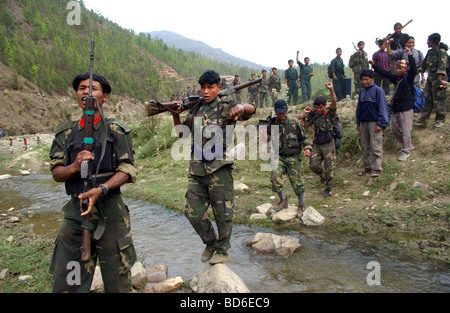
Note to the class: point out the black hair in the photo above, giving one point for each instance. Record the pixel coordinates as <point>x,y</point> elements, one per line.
<point>320,101</point>
<point>274,68</point>
<point>338,49</point>
<point>397,24</point>
<point>436,38</point>
<point>263,71</point>
<point>368,73</point>
<point>106,87</point>
<point>306,59</point>
<point>361,42</point>
<point>291,61</point>
<point>209,77</point>
<point>380,42</point>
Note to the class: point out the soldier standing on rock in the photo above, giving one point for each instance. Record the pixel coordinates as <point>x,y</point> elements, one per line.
<point>323,156</point>
<point>292,138</point>
<point>111,240</point>
<point>210,173</point>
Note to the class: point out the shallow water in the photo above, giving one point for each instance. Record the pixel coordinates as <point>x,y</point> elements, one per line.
<point>325,263</point>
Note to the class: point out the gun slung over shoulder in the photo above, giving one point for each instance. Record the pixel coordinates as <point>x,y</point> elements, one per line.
<point>154,107</point>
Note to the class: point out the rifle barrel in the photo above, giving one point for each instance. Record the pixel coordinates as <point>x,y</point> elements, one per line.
<point>153,107</point>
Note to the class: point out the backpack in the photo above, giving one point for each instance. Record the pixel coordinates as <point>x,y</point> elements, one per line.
<point>330,73</point>
<point>419,99</point>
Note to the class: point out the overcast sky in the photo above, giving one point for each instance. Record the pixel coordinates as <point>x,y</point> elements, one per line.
<point>270,32</point>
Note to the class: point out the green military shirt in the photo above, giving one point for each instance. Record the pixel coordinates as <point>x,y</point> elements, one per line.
<point>291,74</point>
<point>322,123</point>
<point>305,70</point>
<point>292,138</point>
<point>337,66</point>
<point>215,113</point>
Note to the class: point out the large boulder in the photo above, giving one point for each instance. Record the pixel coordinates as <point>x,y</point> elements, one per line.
<point>274,245</point>
<point>218,279</point>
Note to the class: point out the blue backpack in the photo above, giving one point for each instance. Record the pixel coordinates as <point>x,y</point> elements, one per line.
<point>419,99</point>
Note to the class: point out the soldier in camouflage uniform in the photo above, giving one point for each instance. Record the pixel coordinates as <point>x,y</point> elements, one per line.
<point>306,72</point>
<point>210,172</point>
<point>263,91</point>
<point>253,92</point>
<point>435,89</point>
<point>237,93</point>
<point>323,156</point>
<point>111,240</point>
<point>358,63</point>
<point>292,82</point>
<point>291,141</point>
<point>274,86</point>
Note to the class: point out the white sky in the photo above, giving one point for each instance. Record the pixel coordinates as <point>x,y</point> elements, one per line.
<point>270,32</point>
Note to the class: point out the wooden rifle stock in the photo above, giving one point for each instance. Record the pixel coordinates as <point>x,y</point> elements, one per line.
<point>86,171</point>
<point>390,35</point>
<point>153,107</point>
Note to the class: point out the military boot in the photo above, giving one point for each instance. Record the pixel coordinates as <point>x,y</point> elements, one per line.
<point>300,211</point>
<point>219,258</point>
<point>207,254</point>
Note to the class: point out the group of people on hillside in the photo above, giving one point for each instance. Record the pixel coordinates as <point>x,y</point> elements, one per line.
<point>210,179</point>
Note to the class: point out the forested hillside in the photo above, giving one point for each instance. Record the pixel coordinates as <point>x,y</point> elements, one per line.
<point>40,45</point>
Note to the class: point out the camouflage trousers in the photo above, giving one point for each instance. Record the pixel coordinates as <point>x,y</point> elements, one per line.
<point>114,250</point>
<point>253,98</point>
<point>274,95</point>
<point>216,190</point>
<point>263,100</point>
<point>434,99</point>
<point>322,162</point>
<point>293,168</point>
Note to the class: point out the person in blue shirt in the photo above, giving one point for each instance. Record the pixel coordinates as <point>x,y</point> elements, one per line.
<point>372,118</point>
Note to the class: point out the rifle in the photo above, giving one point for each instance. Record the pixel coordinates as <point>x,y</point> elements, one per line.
<point>270,119</point>
<point>154,107</point>
<point>86,166</point>
<point>390,35</point>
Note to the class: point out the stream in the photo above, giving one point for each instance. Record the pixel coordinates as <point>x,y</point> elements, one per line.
<point>326,262</point>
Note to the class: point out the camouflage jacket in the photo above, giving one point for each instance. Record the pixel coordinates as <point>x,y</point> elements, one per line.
<point>292,138</point>
<point>275,82</point>
<point>435,62</point>
<point>322,123</point>
<point>210,114</point>
<point>263,86</point>
<point>358,62</point>
<point>122,154</point>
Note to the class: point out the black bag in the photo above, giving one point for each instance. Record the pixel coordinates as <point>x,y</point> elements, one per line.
<point>322,138</point>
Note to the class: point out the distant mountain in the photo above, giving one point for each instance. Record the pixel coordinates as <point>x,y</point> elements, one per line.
<point>180,42</point>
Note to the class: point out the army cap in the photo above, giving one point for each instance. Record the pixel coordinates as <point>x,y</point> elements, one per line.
<point>281,106</point>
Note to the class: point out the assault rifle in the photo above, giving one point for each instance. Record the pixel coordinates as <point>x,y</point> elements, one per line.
<point>270,119</point>
<point>154,107</point>
<point>86,166</point>
<point>390,35</point>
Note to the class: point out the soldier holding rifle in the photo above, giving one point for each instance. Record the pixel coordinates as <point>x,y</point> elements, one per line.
<point>210,173</point>
<point>112,165</point>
